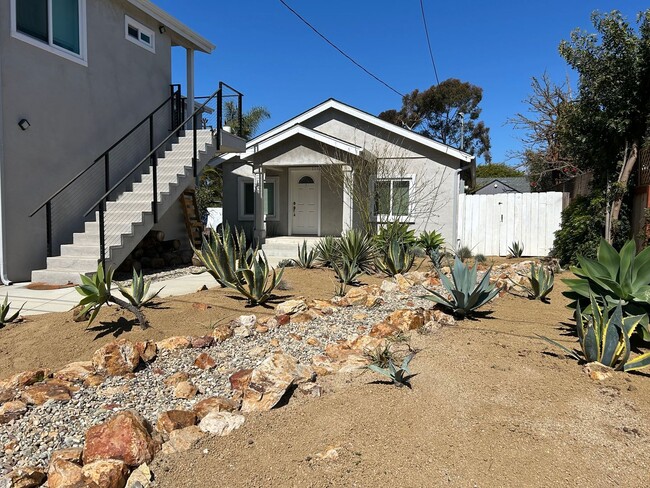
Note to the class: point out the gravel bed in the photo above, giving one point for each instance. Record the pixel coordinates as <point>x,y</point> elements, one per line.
<point>57,425</point>
<point>124,278</point>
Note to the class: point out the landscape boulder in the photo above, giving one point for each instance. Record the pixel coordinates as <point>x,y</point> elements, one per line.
<point>125,437</point>
<point>147,350</point>
<point>27,477</point>
<point>106,473</point>
<point>182,439</point>
<point>42,392</point>
<point>356,296</point>
<point>204,361</point>
<point>222,332</point>
<point>64,474</point>
<point>290,307</point>
<point>201,342</point>
<point>116,358</point>
<point>174,420</point>
<point>26,378</point>
<point>215,404</point>
<point>140,477</point>
<point>76,372</point>
<point>185,390</point>
<point>221,423</point>
<point>173,343</point>
<point>12,410</point>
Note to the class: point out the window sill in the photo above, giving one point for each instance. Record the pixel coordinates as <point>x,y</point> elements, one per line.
<point>51,49</point>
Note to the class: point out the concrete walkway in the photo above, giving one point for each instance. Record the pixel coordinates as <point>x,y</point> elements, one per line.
<point>64,299</point>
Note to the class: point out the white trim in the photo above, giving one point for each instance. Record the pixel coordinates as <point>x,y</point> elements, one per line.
<point>142,29</point>
<point>366,117</point>
<point>275,181</point>
<point>241,181</point>
<point>390,217</point>
<point>3,265</point>
<point>181,31</point>
<point>292,172</point>
<point>49,46</point>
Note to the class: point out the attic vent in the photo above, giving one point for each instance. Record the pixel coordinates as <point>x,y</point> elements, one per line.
<point>306,180</point>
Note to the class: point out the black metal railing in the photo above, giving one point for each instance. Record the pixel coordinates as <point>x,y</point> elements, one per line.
<point>202,118</point>
<point>63,209</point>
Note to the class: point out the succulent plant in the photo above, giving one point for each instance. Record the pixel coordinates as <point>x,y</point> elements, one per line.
<point>540,282</point>
<point>399,376</point>
<point>5,318</point>
<point>328,251</point>
<point>357,247</point>
<point>516,250</point>
<point>394,231</point>
<point>256,280</point>
<point>346,271</point>
<point>138,293</point>
<point>605,338</point>
<point>430,241</point>
<point>397,258</point>
<point>465,294</point>
<point>463,253</point>
<point>306,258</point>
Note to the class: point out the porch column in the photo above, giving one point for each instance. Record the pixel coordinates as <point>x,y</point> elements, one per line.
<point>259,229</point>
<point>190,83</point>
<point>348,202</point>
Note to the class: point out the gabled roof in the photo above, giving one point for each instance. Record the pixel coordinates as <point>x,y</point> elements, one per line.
<point>182,35</point>
<point>354,112</point>
<point>519,184</point>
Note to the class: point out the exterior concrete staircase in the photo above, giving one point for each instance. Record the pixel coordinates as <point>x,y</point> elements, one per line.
<point>129,217</point>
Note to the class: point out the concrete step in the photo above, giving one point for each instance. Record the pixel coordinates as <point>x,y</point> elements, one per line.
<point>80,251</point>
<point>56,277</point>
<point>72,263</point>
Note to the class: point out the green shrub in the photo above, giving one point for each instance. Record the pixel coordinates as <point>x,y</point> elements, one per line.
<point>463,253</point>
<point>605,338</point>
<point>397,259</point>
<point>306,259</point>
<point>430,241</point>
<point>5,318</point>
<point>138,294</point>
<point>465,294</point>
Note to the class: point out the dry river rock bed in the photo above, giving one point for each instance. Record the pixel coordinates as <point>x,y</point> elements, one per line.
<point>43,429</point>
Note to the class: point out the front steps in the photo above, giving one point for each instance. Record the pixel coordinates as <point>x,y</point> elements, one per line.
<point>129,217</point>
<point>286,247</point>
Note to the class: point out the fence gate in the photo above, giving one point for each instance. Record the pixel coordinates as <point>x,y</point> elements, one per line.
<point>489,224</point>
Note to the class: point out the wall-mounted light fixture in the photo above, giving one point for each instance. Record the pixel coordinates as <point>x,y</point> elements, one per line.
<point>162,29</point>
<point>24,124</point>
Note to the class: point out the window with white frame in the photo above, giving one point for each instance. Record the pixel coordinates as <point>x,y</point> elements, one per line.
<point>58,26</point>
<point>247,198</point>
<point>393,198</point>
<point>139,34</point>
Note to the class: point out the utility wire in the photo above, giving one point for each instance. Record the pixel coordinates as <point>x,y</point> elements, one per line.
<point>426,30</point>
<point>340,50</point>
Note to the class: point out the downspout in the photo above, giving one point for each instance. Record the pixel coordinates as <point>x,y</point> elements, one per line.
<point>456,200</point>
<point>3,272</point>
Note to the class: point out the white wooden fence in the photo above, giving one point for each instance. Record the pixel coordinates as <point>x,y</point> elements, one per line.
<point>489,224</point>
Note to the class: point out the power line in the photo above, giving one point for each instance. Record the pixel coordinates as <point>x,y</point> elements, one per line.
<point>340,50</point>
<point>426,30</point>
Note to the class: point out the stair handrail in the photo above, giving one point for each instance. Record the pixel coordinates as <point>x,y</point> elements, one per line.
<point>153,158</point>
<point>175,93</point>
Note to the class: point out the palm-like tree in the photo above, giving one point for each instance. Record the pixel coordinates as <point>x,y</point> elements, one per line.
<point>251,120</point>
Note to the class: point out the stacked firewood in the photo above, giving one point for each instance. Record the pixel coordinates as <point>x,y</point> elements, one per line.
<point>154,252</point>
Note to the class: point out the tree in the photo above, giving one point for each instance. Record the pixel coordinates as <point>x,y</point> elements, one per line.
<point>251,120</point>
<point>544,154</point>
<point>497,170</point>
<point>607,125</point>
<point>448,112</point>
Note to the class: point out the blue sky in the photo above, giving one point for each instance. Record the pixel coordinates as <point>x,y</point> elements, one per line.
<point>267,53</point>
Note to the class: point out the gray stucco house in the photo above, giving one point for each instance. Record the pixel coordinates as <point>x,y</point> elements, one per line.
<point>78,77</point>
<point>494,186</point>
<point>309,177</point>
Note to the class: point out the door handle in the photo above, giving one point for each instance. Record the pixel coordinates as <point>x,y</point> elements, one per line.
<point>294,209</point>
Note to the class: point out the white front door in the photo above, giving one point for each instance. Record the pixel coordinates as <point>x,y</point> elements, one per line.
<point>304,202</point>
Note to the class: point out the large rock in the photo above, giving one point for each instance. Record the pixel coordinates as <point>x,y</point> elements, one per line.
<point>185,390</point>
<point>116,358</point>
<point>6,394</point>
<point>125,437</point>
<point>140,477</point>
<point>221,423</point>
<point>106,473</point>
<point>27,477</point>
<point>204,361</point>
<point>176,378</point>
<point>173,343</point>
<point>12,411</point>
<point>182,439</point>
<point>64,474</point>
<point>401,321</point>
<point>148,350</point>
<point>271,380</point>
<point>174,420</point>
<point>222,332</point>
<point>215,404</point>
<point>201,342</point>
<point>403,284</point>
<point>43,392</point>
<point>26,378</point>
<point>357,296</point>
<point>75,372</point>
<point>72,454</point>
<point>290,307</point>
<point>240,380</point>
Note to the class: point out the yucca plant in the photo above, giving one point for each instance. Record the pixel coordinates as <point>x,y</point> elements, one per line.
<point>465,294</point>
<point>540,283</point>
<point>397,259</point>
<point>357,246</point>
<point>516,250</point>
<point>399,376</point>
<point>605,338</point>
<point>430,241</point>
<point>257,280</point>
<point>96,291</point>
<point>328,251</point>
<point>138,293</point>
<point>346,271</point>
<point>306,258</point>
<point>617,277</point>
<point>5,318</point>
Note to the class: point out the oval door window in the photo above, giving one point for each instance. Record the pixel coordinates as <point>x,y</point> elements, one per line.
<point>306,180</point>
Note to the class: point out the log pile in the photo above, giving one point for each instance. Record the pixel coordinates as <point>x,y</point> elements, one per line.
<point>154,252</point>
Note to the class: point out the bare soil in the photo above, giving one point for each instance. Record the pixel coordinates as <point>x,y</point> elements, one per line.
<point>55,339</point>
<point>492,405</point>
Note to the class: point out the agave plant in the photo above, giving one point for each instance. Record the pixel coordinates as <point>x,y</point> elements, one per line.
<point>306,258</point>
<point>605,338</point>
<point>138,293</point>
<point>5,318</point>
<point>516,250</point>
<point>328,252</point>
<point>618,277</point>
<point>347,272</point>
<point>257,280</point>
<point>394,231</point>
<point>96,291</point>
<point>466,295</point>
<point>357,246</point>
<point>463,253</point>
<point>399,376</point>
<point>540,283</point>
<point>398,258</point>
<point>430,241</point>
<point>223,254</point>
